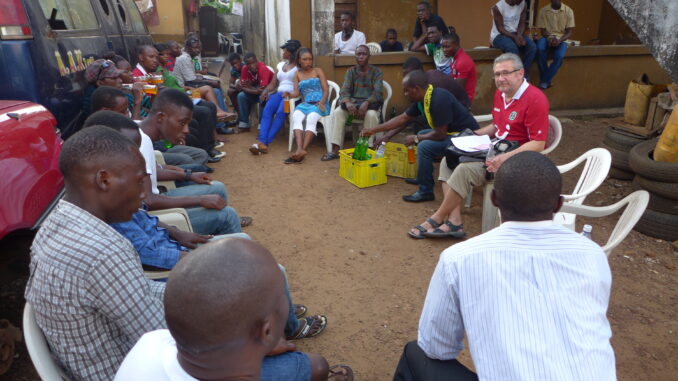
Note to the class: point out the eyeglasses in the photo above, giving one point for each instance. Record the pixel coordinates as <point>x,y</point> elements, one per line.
<point>504,73</point>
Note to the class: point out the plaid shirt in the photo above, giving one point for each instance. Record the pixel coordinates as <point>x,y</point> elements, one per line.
<point>184,69</point>
<point>152,242</point>
<point>358,87</point>
<point>89,293</point>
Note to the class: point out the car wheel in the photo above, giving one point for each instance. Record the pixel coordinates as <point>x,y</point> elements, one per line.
<point>620,159</point>
<point>659,225</point>
<point>621,174</point>
<point>621,140</point>
<point>662,189</point>
<point>642,163</point>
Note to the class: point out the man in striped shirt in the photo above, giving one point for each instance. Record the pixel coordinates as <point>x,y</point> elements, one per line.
<point>530,296</point>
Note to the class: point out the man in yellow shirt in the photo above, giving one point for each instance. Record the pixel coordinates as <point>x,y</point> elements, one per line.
<point>556,22</point>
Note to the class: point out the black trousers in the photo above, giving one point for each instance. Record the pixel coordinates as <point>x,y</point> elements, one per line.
<point>205,118</point>
<point>414,365</point>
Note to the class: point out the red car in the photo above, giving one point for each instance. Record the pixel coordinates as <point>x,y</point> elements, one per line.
<point>30,180</point>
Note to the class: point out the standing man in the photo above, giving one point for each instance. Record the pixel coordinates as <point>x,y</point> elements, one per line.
<point>434,48</point>
<point>463,69</point>
<point>426,19</point>
<point>360,97</point>
<point>508,31</point>
<point>445,116</point>
<point>557,23</point>
<point>346,41</point>
<point>254,78</point>
<point>531,296</point>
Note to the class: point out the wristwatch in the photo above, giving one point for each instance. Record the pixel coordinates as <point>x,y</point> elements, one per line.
<point>187,174</point>
<point>416,139</point>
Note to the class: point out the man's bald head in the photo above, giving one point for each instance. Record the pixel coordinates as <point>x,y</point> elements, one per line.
<point>222,294</point>
<point>527,187</point>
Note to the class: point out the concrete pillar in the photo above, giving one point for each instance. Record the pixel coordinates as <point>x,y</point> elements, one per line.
<point>322,27</point>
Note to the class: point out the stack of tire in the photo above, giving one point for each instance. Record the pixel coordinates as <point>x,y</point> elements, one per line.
<point>619,143</point>
<point>660,179</point>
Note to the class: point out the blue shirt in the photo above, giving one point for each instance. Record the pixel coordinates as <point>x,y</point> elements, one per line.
<point>153,243</point>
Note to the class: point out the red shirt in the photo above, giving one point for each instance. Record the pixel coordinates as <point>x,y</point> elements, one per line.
<point>169,65</point>
<point>526,117</point>
<point>464,67</point>
<point>261,78</point>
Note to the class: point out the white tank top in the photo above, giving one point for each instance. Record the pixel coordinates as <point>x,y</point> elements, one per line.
<point>511,16</point>
<point>285,78</point>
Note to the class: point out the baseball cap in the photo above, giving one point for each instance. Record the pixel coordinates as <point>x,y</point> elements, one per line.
<point>101,69</point>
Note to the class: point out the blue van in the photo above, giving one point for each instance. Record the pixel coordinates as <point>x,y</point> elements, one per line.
<point>45,46</point>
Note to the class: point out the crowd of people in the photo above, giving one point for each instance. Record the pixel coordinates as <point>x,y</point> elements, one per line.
<point>538,314</point>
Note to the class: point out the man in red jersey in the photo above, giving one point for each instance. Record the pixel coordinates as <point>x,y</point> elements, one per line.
<point>463,67</point>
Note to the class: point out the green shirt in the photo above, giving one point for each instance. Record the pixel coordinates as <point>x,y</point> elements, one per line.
<point>168,79</point>
<point>443,63</point>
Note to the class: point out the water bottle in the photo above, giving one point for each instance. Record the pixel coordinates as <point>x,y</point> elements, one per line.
<point>489,176</point>
<point>586,231</point>
<point>381,151</point>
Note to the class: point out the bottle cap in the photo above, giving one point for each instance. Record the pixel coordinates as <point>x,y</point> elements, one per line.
<point>588,228</point>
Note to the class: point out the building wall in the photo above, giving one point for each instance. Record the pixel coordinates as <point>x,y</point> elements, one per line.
<point>300,17</point>
<point>172,16</point>
<point>376,16</point>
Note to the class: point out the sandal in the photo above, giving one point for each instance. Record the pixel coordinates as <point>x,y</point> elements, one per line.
<point>300,310</point>
<point>305,327</point>
<point>245,221</point>
<point>423,230</point>
<point>329,156</point>
<point>340,373</point>
<point>453,232</point>
<point>291,160</point>
<point>254,148</point>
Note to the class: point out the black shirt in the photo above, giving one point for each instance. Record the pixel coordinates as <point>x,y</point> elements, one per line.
<point>432,20</point>
<point>397,46</point>
<point>446,110</point>
<point>443,81</point>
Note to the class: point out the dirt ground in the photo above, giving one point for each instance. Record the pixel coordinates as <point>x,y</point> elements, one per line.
<point>348,256</point>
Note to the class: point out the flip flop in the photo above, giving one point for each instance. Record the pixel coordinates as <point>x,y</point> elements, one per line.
<point>304,331</point>
<point>300,310</point>
<point>290,160</point>
<point>329,156</point>
<point>340,373</point>
<point>245,221</point>
<point>254,148</point>
<point>454,231</point>
<point>423,230</point>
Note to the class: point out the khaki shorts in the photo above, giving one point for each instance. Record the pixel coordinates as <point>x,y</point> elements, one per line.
<point>464,177</point>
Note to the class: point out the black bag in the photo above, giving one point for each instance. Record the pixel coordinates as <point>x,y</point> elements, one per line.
<point>454,155</point>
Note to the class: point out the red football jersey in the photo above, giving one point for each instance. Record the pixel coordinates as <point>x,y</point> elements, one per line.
<point>523,119</point>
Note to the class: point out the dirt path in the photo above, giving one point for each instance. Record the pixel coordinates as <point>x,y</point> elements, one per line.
<point>347,256</point>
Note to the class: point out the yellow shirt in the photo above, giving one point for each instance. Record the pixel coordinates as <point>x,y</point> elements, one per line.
<point>555,21</point>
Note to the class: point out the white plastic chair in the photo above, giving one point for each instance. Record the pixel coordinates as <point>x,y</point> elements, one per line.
<point>597,163</point>
<point>177,217</point>
<point>635,204</point>
<point>167,184</point>
<point>38,349</point>
<point>326,121</point>
<point>374,47</point>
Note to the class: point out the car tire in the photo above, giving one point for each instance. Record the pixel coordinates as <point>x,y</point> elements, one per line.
<point>641,162</point>
<point>662,189</point>
<point>659,225</point>
<point>659,203</point>
<point>620,159</point>
<point>621,174</point>
<point>621,140</point>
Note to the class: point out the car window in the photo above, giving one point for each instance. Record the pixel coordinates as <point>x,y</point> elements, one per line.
<point>69,14</point>
<point>135,17</point>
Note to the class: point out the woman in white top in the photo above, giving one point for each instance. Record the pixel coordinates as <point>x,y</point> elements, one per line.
<point>274,115</point>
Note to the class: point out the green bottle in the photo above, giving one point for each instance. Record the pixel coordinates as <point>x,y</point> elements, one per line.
<point>349,121</point>
<point>360,151</point>
<point>167,144</point>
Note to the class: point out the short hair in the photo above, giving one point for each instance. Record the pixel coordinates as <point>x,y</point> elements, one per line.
<point>527,186</point>
<point>234,56</point>
<point>391,30</point>
<point>171,42</point>
<point>111,119</point>
<point>170,98</point>
<point>426,3</point>
<point>105,96</point>
<point>249,55</point>
<point>191,41</point>
<point>514,58</point>
<point>413,63</point>
<point>161,46</point>
<point>90,144</point>
<point>364,47</point>
<point>111,56</point>
<point>435,26</point>
<point>416,78</point>
<point>142,48</point>
<point>452,36</point>
<point>347,13</point>
<point>303,50</point>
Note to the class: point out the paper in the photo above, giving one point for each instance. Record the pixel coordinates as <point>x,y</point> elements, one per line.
<point>473,143</point>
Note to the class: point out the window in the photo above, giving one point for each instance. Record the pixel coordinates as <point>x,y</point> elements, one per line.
<point>135,17</point>
<point>69,14</point>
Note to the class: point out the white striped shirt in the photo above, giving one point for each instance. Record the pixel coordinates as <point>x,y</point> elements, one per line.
<point>532,298</point>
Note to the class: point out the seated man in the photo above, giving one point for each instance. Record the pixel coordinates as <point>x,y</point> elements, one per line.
<point>426,19</point>
<point>360,98</point>
<point>445,116</point>
<point>520,114</point>
<point>346,41</point>
<point>205,202</point>
<point>508,31</point>
<point>254,78</point>
<point>86,285</point>
<point>439,80</point>
<point>234,329</point>
<point>463,69</point>
<point>174,52</point>
<point>431,45</point>
<point>531,296</point>
<point>391,43</point>
<point>557,23</point>
<point>236,71</point>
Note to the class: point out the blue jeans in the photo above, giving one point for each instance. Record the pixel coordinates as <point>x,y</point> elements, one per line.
<point>526,52</point>
<point>427,150</point>
<point>288,366</point>
<point>209,221</point>
<point>245,103</point>
<point>546,73</point>
<point>220,99</point>
<point>292,322</point>
<point>272,118</point>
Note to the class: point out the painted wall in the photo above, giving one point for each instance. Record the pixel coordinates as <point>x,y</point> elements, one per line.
<point>172,21</point>
<point>376,16</point>
<point>300,16</point>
